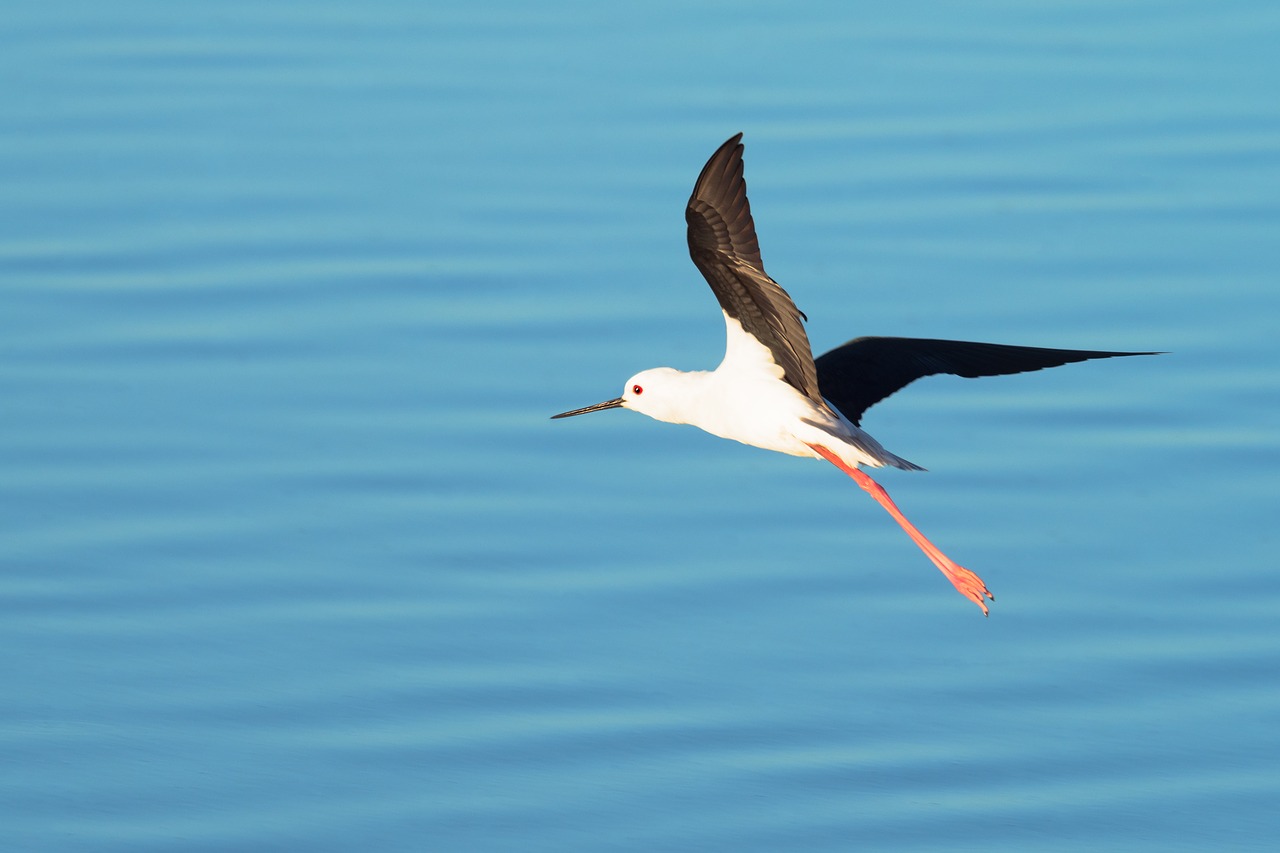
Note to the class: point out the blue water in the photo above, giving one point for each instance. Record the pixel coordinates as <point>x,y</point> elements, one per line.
<point>292,559</point>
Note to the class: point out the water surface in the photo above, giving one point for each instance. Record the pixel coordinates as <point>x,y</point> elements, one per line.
<point>293,559</point>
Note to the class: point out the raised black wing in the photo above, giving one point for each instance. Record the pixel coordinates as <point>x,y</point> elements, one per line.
<point>857,375</point>
<point>723,245</point>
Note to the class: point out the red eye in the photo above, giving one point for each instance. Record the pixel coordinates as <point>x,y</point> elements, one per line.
<point>637,390</point>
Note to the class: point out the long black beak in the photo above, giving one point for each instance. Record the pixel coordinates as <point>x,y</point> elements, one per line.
<point>598,407</point>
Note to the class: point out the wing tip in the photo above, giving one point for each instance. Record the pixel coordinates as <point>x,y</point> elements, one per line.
<point>729,151</point>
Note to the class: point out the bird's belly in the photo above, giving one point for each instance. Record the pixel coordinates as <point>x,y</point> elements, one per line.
<point>768,416</point>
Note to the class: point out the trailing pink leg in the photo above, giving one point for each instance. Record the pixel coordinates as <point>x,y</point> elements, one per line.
<point>968,583</point>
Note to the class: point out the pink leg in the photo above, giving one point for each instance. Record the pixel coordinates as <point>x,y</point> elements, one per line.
<point>969,584</point>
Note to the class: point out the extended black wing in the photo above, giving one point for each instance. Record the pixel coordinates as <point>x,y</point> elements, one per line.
<point>857,375</point>
<point>723,245</point>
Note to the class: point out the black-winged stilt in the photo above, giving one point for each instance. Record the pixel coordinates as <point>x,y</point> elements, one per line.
<point>769,391</point>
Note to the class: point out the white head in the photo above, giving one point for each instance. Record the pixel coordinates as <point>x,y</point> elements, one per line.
<point>659,393</point>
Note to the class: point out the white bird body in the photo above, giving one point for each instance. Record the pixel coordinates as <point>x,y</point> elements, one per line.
<point>745,399</point>
<point>769,392</point>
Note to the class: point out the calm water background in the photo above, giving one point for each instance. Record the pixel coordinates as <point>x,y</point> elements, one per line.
<point>291,557</point>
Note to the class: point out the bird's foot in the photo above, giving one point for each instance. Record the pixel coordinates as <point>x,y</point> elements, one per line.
<point>969,584</point>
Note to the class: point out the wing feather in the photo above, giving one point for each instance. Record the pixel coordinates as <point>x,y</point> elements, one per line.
<point>723,245</point>
<point>857,375</point>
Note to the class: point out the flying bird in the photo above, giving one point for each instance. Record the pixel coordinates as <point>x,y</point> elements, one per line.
<point>769,392</point>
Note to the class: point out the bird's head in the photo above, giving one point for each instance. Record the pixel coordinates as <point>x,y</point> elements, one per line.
<point>655,393</point>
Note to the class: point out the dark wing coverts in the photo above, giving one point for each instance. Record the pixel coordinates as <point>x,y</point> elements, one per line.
<point>722,243</point>
<point>859,374</point>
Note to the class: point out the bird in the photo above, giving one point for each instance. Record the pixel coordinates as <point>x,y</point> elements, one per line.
<point>770,392</point>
